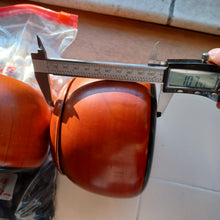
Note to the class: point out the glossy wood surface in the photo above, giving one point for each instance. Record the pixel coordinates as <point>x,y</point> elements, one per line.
<point>104,136</point>
<point>24,125</point>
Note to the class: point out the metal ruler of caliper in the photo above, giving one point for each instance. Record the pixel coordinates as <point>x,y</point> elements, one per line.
<point>175,75</point>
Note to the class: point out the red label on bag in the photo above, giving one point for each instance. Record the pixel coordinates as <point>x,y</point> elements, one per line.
<point>10,70</point>
<point>7,184</point>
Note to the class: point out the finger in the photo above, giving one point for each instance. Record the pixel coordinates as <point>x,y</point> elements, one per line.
<point>214,56</point>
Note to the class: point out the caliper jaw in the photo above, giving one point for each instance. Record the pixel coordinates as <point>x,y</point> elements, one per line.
<point>43,79</point>
<point>164,97</point>
<point>163,101</point>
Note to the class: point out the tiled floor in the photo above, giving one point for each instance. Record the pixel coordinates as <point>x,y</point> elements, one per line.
<point>184,182</point>
<point>168,200</point>
<point>76,203</point>
<point>187,145</point>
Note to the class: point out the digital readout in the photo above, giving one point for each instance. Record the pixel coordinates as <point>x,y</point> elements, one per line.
<point>192,79</point>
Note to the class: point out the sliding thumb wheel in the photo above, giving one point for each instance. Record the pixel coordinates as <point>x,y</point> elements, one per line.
<point>24,125</point>
<point>102,135</point>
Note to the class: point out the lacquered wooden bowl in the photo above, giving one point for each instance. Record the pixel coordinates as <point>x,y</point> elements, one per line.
<point>24,125</point>
<point>102,135</point>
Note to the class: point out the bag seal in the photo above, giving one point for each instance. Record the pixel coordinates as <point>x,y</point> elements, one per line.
<point>61,17</point>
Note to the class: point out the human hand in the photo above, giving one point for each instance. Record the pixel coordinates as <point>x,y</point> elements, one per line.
<point>214,57</point>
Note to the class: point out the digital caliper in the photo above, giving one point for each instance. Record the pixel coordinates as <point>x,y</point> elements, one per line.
<point>175,75</point>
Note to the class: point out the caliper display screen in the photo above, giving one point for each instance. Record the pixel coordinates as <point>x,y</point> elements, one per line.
<point>192,79</point>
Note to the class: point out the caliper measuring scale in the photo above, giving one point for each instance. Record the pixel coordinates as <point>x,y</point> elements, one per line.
<point>192,76</point>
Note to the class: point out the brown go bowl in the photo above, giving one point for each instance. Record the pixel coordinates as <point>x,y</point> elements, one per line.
<point>24,125</point>
<point>102,135</point>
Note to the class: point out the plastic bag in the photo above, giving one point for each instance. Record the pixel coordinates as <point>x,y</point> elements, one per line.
<point>19,25</point>
<point>30,194</point>
<point>33,194</point>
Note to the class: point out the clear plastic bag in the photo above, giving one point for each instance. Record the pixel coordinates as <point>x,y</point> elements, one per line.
<point>19,25</point>
<point>30,194</point>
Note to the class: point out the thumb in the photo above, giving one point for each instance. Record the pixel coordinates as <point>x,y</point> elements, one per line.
<point>214,56</point>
